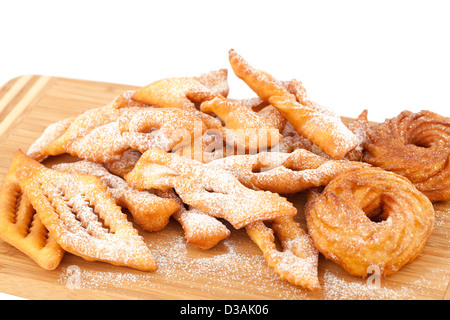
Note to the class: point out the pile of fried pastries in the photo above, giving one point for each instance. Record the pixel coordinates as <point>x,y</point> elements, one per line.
<point>181,148</point>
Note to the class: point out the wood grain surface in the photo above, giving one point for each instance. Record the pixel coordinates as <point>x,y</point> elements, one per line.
<point>234,269</point>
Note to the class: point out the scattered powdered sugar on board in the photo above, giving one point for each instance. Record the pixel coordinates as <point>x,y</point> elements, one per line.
<point>337,288</point>
<point>230,269</point>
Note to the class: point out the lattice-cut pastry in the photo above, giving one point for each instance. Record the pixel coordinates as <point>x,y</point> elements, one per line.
<point>201,230</point>
<point>250,130</point>
<point>21,226</point>
<point>325,130</point>
<point>284,173</point>
<point>165,128</point>
<point>50,134</point>
<point>297,261</point>
<point>149,211</point>
<point>208,188</point>
<point>83,216</point>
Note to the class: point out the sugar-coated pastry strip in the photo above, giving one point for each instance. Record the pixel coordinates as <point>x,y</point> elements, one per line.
<point>201,230</point>
<point>298,260</point>
<point>50,134</point>
<point>208,188</point>
<point>284,173</point>
<point>327,132</point>
<point>249,129</point>
<point>165,128</point>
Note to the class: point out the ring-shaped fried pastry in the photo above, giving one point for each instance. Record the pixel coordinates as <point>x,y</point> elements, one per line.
<point>416,146</point>
<point>369,217</point>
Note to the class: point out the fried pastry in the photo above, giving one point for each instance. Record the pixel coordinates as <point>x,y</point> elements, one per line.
<point>103,144</point>
<point>208,188</point>
<point>165,128</point>
<point>359,127</point>
<point>298,261</point>
<point>324,130</point>
<point>81,126</point>
<point>125,164</point>
<point>50,134</point>
<point>369,217</point>
<point>171,92</point>
<point>21,226</point>
<point>201,230</point>
<point>82,216</point>
<point>285,173</point>
<point>416,146</point>
<point>250,130</point>
<point>149,211</point>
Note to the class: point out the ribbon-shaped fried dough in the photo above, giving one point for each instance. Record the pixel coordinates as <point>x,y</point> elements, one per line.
<point>165,128</point>
<point>21,226</point>
<point>201,230</point>
<point>323,129</point>
<point>249,129</point>
<point>81,126</point>
<point>359,127</point>
<point>298,260</point>
<point>82,216</point>
<point>172,92</point>
<point>208,188</point>
<point>50,134</point>
<point>149,211</point>
<point>284,173</point>
<point>103,144</point>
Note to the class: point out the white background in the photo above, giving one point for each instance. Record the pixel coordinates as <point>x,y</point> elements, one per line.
<point>386,56</point>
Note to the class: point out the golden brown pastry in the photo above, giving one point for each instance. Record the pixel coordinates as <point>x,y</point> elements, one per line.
<point>369,217</point>
<point>82,216</point>
<point>416,146</point>
<point>210,189</point>
<point>20,224</point>
<point>310,120</point>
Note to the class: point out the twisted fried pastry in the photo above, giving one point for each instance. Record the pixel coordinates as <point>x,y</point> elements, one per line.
<point>208,188</point>
<point>284,173</point>
<point>249,129</point>
<point>414,145</point>
<point>50,134</point>
<point>369,217</point>
<point>201,230</point>
<point>166,128</point>
<point>309,119</point>
<point>298,260</point>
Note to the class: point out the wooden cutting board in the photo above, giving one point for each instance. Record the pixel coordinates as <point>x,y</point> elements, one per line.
<point>234,269</point>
